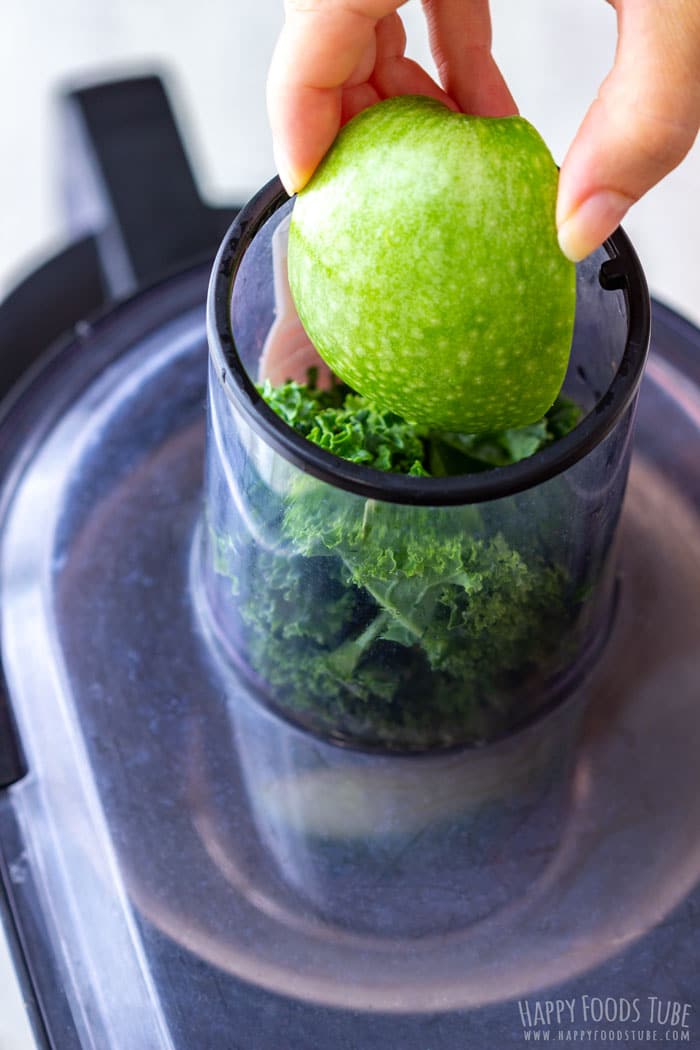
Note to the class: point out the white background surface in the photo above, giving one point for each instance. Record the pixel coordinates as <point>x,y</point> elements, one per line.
<point>15,1032</point>
<point>554,54</point>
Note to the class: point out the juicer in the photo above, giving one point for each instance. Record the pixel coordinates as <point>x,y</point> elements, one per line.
<point>190,859</point>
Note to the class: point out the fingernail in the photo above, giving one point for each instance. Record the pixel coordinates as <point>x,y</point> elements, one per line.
<point>595,219</point>
<point>290,180</point>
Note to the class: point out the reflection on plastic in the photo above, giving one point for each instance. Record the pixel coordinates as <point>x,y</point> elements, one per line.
<point>401,846</point>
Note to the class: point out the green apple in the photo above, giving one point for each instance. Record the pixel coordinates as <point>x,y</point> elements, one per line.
<point>424,265</point>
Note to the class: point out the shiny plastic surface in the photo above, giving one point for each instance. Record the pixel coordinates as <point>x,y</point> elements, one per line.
<point>146,846</point>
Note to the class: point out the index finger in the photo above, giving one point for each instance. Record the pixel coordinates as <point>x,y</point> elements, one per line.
<point>460,40</point>
<point>321,45</point>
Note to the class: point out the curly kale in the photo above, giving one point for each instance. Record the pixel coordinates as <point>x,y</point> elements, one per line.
<point>389,624</point>
<point>350,426</point>
<point>441,609</point>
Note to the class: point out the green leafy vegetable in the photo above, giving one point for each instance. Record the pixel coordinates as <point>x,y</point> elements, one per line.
<point>347,425</point>
<point>389,624</point>
<point>350,426</point>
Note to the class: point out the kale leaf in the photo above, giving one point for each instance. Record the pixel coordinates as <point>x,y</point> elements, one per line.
<point>391,624</point>
<point>350,426</point>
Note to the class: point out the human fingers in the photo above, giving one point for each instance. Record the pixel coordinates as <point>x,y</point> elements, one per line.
<point>641,125</point>
<point>460,40</point>
<point>324,45</point>
<point>393,73</point>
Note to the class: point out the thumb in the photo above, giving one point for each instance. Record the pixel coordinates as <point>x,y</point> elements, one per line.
<point>641,125</point>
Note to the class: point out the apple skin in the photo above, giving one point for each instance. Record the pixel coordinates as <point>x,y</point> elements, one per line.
<point>424,265</point>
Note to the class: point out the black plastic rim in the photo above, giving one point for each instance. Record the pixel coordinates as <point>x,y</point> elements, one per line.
<point>621,271</point>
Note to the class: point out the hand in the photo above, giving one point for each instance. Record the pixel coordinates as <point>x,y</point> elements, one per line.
<point>336,57</point>
<point>642,123</point>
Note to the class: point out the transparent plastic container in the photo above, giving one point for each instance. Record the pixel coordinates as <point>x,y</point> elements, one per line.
<point>408,614</point>
<point>406,846</point>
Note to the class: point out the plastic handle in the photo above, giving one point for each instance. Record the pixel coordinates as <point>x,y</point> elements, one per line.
<point>129,180</point>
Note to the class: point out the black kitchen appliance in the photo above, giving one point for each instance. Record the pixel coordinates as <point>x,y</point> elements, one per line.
<point>149,909</point>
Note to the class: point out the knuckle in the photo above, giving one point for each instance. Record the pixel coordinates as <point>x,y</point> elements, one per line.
<point>649,122</point>
<point>662,139</point>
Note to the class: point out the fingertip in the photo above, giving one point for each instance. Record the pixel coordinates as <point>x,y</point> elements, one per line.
<point>304,122</point>
<point>591,222</point>
<point>571,243</point>
<point>292,178</point>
